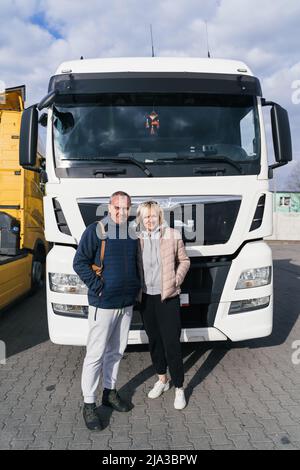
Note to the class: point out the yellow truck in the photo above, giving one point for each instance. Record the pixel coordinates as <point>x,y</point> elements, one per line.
<point>22,243</point>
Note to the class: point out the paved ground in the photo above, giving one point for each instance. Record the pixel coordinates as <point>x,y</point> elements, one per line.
<point>241,396</point>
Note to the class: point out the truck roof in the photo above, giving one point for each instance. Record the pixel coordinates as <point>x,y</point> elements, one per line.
<point>154,64</point>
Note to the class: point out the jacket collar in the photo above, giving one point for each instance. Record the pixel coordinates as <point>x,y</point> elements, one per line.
<point>160,229</point>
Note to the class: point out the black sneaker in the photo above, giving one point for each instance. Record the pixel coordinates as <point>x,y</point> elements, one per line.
<point>112,398</point>
<point>91,418</point>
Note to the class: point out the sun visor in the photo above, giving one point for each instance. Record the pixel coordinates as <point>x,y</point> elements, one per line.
<point>99,83</point>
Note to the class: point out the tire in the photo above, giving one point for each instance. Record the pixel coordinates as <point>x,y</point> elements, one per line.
<point>38,269</point>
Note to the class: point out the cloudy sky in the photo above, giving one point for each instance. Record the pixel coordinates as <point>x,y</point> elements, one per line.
<point>37,35</point>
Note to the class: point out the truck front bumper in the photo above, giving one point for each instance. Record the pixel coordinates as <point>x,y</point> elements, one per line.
<point>236,327</point>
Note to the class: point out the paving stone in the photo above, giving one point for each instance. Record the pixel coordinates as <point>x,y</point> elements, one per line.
<point>293,432</point>
<point>179,439</point>
<point>257,435</point>
<point>99,446</point>
<point>33,418</point>
<point>64,431</point>
<point>4,445</point>
<point>20,444</point>
<point>213,422</point>
<point>197,430</point>
<point>270,426</point>
<point>26,432</point>
<point>156,419</point>
<point>219,437</point>
<point>241,442</point>
<point>119,446</point>
<point>282,442</point>
<point>234,427</point>
<point>140,425</point>
<point>159,444</point>
<point>201,443</point>
<point>73,446</point>
<point>140,441</point>
<point>263,445</point>
<point>121,435</point>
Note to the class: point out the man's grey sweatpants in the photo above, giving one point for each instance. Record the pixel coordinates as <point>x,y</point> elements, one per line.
<point>107,341</point>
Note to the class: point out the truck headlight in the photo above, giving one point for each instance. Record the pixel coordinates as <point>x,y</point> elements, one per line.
<point>77,311</point>
<point>67,283</point>
<point>247,305</point>
<point>255,277</point>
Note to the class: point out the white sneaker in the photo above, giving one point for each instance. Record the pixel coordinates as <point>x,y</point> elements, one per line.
<point>158,389</point>
<point>179,402</point>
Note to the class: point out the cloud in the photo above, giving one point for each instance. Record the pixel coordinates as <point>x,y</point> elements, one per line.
<point>37,35</point>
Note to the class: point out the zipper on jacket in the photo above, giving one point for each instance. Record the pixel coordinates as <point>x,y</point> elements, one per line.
<point>126,249</point>
<point>161,271</point>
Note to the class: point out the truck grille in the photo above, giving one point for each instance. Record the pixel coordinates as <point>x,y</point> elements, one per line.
<point>204,283</point>
<point>207,220</point>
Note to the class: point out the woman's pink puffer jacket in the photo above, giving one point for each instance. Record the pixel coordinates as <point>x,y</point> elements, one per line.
<point>175,262</point>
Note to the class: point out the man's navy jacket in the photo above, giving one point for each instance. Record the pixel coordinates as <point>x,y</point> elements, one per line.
<point>121,282</point>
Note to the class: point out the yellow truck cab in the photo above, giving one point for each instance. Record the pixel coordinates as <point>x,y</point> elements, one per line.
<point>22,243</point>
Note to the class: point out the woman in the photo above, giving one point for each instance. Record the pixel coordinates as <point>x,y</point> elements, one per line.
<point>165,264</point>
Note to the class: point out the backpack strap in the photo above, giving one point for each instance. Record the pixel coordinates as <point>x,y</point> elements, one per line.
<point>99,269</point>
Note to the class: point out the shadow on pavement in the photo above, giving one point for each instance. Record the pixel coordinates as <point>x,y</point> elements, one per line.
<point>23,325</point>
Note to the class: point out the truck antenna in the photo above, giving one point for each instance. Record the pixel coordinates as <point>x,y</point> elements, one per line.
<point>153,55</point>
<point>208,53</point>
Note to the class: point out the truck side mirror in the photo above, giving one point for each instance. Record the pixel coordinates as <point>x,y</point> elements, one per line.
<point>28,137</point>
<point>281,134</point>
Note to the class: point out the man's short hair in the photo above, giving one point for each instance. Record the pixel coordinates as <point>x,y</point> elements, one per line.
<point>122,194</point>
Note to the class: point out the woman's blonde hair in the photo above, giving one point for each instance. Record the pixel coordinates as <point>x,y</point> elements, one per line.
<point>149,205</point>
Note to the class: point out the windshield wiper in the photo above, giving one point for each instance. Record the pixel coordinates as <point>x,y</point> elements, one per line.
<point>130,158</point>
<point>120,159</point>
<point>199,158</point>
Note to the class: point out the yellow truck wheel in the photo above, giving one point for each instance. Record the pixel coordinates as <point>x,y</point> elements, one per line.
<point>38,269</point>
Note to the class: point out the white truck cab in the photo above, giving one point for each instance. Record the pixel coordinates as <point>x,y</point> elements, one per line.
<point>188,133</point>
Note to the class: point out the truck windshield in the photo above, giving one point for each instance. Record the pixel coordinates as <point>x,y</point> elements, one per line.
<point>176,134</point>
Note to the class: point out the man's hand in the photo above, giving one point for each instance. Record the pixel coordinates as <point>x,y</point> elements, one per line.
<point>97,269</point>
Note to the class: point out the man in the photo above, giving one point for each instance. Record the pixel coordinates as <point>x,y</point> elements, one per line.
<point>111,297</point>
